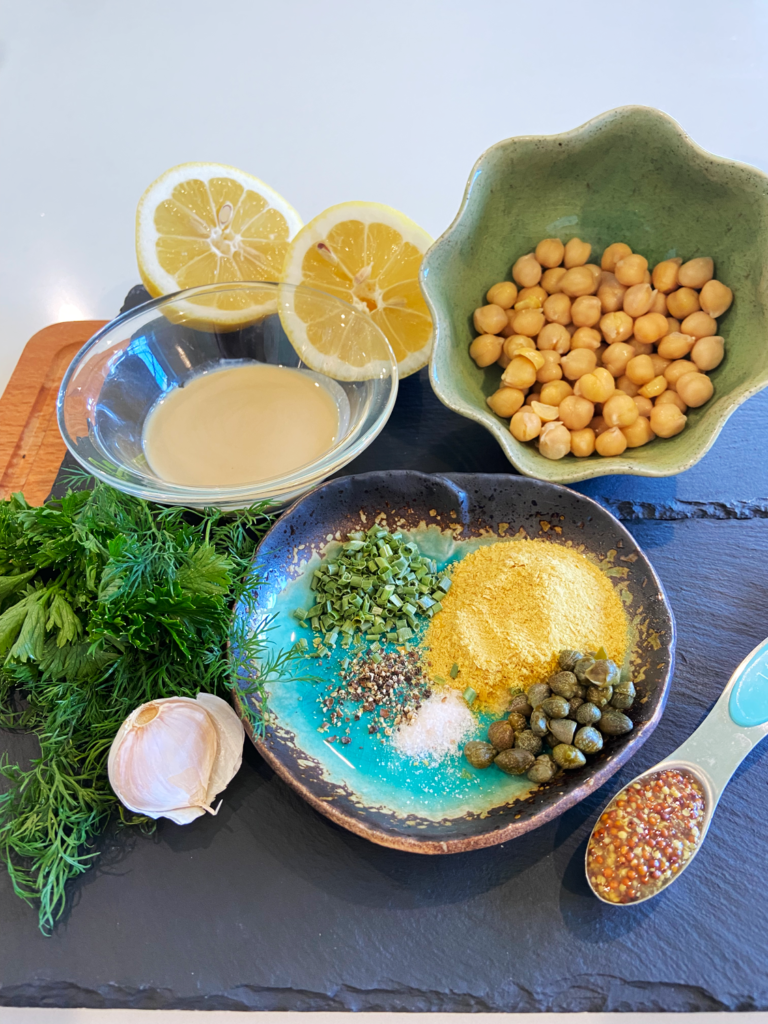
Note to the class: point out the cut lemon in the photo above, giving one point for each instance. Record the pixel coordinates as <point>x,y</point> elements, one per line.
<point>202,224</point>
<point>368,255</point>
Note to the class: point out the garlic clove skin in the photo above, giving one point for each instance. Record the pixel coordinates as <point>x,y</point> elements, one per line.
<point>231,736</point>
<point>161,760</point>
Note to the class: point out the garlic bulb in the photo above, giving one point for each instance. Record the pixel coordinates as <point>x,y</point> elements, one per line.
<point>171,757</point>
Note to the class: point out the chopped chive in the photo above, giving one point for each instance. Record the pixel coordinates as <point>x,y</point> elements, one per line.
<point>602,655</point>
<point>454,670</point>
<point>469,695</point>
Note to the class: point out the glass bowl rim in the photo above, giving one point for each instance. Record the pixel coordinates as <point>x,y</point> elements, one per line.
<point>160,490</point>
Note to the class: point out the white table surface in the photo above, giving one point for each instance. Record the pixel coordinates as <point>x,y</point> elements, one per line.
<point>326,102</point>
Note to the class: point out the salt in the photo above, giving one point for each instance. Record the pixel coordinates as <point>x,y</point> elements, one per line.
<point>442,722</point>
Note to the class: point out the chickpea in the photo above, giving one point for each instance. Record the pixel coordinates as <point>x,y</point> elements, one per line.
<point>550,280</point>
<point>614,253</point>
<point>639,433</point>
<point>616,357</point>
<point>536,292</point>
<point>620,411</point>
<point>650,328</point>
<point>582,442</point>
<point>631,270</point>
<point>551,370</point>
<point>659,303</point>
<point>576,412</point>
<point>506,401</point>
<point>489,319</point>
<point>695,273</point>
<point>502,294</point>
<point>599,425</point>
<point>671,398</point>
<point>672,325</point>
<point>641,348</point>
<point>557,309</point>
<point>611,442</point>
<point>550,252</point>
<point>664,276</point>
<point>616,327</point>
<point>628,386</point>
<point>533,355</point>
<point>485,349</point>
<point>676,370</point>
<point>586,311</point>
<point>596,272</point>
<point>638,299</point>
<point>654,387</point>
<point>521,373</point>
<point>576,253</point>
<point>683,302</point>
<point>578,362</point>
<point>527,271</point>
<point>525,425</point>
<point>597,386</point>
<point>659,363</point>
<point>554,441</point>
<point>586,337</point>
<point>707,353</point>
<point>546,413</point>
<point>507,331</point>
<point>610,293</point>
<point>715,298</point>
<point>695,389</point>
<point>529,322</point>
<point>533,396</point>
<point>700,325</point>
<point>554,392</point>
<point>676,345</point>
<point>640,370</point>
<point>515,343</point>
<point>644,405</point>
<point>504,360</point>
<point>647,279</point>
<point>578,281</point>
<point>667,420</point>
<point>554,337</point>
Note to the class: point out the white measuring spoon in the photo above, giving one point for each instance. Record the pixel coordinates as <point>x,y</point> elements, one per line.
<point>735,725</point>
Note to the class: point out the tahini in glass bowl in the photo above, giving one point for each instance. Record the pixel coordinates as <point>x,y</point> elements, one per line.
<point>117,378</point>
<point>630,175</point>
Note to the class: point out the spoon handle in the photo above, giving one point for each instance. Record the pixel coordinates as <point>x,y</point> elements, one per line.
<point>737,723</point>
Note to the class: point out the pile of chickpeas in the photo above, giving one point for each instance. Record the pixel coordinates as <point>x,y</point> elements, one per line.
<point>600,358</point>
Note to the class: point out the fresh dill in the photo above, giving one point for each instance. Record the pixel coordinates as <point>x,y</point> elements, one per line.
<point>108,601</point>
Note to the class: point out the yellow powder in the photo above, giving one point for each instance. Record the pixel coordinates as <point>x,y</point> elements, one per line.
<point>512,607</point>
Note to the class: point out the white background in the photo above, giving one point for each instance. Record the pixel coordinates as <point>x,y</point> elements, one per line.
<point>326,101</point>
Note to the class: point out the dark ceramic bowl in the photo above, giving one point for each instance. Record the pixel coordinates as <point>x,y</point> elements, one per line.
<point>470,505</point>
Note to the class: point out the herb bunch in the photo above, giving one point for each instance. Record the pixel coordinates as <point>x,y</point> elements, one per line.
<point>107,601</point>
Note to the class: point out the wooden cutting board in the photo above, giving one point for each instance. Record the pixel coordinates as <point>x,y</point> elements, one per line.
<point>31,447</point>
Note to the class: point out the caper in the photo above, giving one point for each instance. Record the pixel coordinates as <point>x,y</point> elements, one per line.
<point>623,695</point>
<point>568,756</point>
<point>538,693</point>
<point>573,705</point>
<point>614,723</point>
<point>514,690</point>
<point>599,695</point>
<point>551,740</point>
<point>588,740</point>
<point>542,769</point>
<point>520,704</point>
<point>539,722</point>
<point>564,684</point>
<point>603,673</point>
<point>582,666</point>
<point>568,659</point>
<point>479,754</point>
<point>528,740</point>
<point>501,735</point>
<point>514,762</point>
<point>588,714</point>
<point>555,707</point>
<point>517,721</point>
<point>562,729</point>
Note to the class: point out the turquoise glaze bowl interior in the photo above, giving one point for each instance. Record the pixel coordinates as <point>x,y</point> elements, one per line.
<point>630,175</point>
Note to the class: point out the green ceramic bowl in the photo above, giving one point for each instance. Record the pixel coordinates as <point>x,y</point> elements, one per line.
<point>629,175</point>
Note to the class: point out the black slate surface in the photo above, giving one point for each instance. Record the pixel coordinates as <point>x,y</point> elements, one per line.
<point>270,906</point>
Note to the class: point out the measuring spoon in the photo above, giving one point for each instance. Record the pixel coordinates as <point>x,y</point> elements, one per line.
<point>736,724</point>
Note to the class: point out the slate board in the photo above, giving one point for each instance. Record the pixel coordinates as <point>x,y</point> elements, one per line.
<point>271,906</point>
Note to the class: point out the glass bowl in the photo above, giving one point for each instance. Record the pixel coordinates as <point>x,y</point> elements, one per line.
<point>117,378</point>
